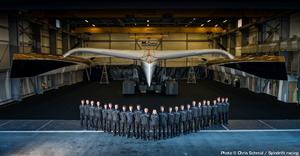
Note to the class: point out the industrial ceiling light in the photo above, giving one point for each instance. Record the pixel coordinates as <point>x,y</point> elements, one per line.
<point>148,21</point>
<point>216,25</point>
<point>224,21</point>
<point>148,25</point>
<point>93,25</point>
<point>202,25</point>
<point>208,21</point>
<point>135,24</point>
<point>86,21</point>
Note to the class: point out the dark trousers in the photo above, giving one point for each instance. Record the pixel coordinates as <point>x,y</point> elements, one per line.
<point>86,122</point>
<point>145,132</point>
<point>195,124</point>
<point>154,131</point>
<point>92,122</point>
<point>123,128</point>
<point>190,125</point>
<point>220,117</point>
<point>116,127</point>
<point>98,123</point>
<point>104,125</point>
<point>177,128</point>
<point>183,127</point>
<point>162,129</point>
<point>129,127</point>
<point>137,129</point>
<point>170,130</point>
<point>81,120</point>
<point>226,117</point>
<point>205,121</point>
<point>215,119</point>
<point>200,122</point>
<point>109,125</point>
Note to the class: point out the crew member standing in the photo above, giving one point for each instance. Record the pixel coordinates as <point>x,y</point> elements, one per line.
<point>162,122</point>
<point>98,114</point>
<point>183,120</point>
<point>81,111</point>
<point>104,118</point>
<point>116,120</point>
<point>86,113</point>
<point>195,116</point>
<point>200,116</point>
<point>170,123</point>
<point>92,115</point>
<point>189,118</point>
<point>109,118</point>
<point>214,113</point>
<point>209,113</point>
<point>154,123</point>
<point>204,114</point>
<point>123,121</point>
<point>145,121</point>
<point>227,110</point>
<point>177,121</point>
<point>137,121</point>
<point>130,122</point>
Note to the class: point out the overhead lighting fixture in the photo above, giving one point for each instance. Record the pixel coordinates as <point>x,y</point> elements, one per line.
<point>208,21</point>
<point>216,25</point>
<point>224,21</point>
<point>194,19</point>
<point>86,21</point>
<point>135,24</point>
<point>202,25</point>
<point>93,25</point>
<point>148,25</point>
<point>148,21</point>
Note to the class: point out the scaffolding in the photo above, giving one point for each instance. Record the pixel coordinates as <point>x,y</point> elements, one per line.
<point>104,75</point>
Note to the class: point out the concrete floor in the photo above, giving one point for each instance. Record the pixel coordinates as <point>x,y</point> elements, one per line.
<point>65,137</point>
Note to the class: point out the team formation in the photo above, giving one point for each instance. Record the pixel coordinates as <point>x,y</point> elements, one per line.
<point>155,125</point>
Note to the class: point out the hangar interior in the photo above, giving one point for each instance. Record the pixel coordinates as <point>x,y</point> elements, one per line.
<point>242,33</point>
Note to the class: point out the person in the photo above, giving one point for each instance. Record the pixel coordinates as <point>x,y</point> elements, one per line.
<point>109,118</point>
<point>137,121</point>
<point>86,113</point>
<point>177,121</point>
<point>220,110</point>
<point>200,117</point>
<point>162,122</point>
<point>170,123</point>
<point>130,122</point>
<point>227,110</point>
<point>195,116</point>
<point>145,121</point>
<point>104,118</point>
<point>98,114</point>
<point>81,112</point>
<point>123,120</point>
<point>154,123</point>
<point>209,113</point>
<point>189,118</point>
<point>116,120</point>
<point>92,115</point>
<point>204,114</point>
<point>183,119</point>
<point>223,110</point>
<point>214,111</point>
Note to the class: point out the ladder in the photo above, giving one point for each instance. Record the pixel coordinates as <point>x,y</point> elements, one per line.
<point>104,75</point>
